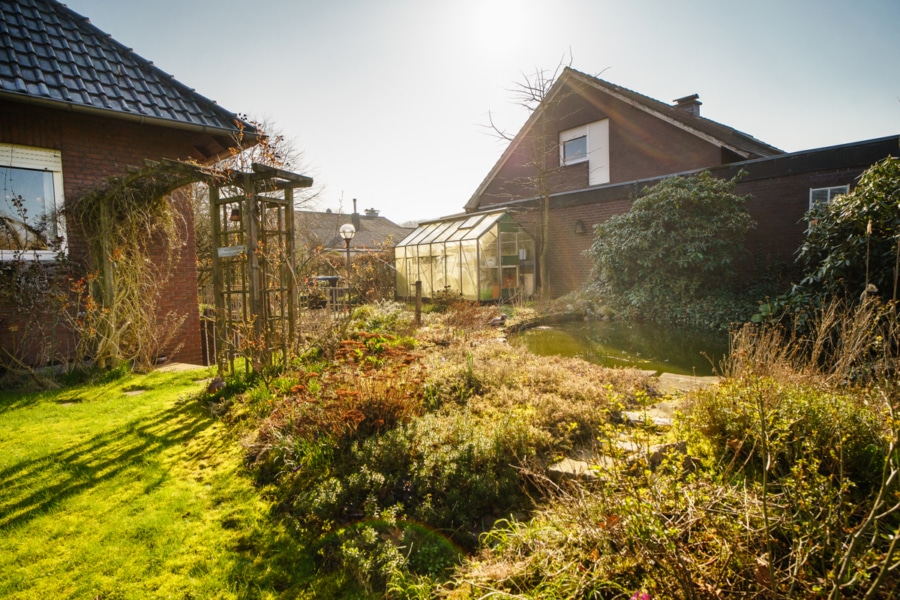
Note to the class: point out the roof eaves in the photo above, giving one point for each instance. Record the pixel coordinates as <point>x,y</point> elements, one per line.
<point>116,114</point>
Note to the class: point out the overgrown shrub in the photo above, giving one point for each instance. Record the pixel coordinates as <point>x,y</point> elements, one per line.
<point>627,536</point>
<point>671,258</point>
<point>373,277</point>
<point>851,242</point>
<point>449,470</point>
<point>759,423</point>
<point>392,453</point>
<point>37,296</point>
<point>791,489</point>
<point>444,298</point>
<point>837,344</point>
<point>133,226</point>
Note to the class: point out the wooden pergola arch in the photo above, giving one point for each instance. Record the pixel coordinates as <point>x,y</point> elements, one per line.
<point>252,220</point>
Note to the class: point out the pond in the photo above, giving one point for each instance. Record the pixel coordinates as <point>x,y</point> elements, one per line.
<point>623,344</point>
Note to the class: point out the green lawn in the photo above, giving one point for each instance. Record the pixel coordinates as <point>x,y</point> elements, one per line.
<point>129,489</point>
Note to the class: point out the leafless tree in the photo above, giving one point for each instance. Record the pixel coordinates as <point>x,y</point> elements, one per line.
<point>275,149</point>
<point>535,92</point>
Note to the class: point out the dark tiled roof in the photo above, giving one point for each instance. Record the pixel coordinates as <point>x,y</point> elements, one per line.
<point>321,229</point>
<point>729,136</point>
<point>52,55</point>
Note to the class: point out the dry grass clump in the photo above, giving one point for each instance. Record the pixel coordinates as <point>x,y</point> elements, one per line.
<point>656,534</point>
<point>837,345</point>
<point>566,397</point>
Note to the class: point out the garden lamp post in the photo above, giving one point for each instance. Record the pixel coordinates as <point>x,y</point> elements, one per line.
<point>347,232</point>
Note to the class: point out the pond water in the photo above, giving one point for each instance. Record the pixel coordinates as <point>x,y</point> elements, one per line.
<point>622,344</point>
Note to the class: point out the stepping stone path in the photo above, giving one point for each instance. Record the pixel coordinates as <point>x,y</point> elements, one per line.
<point>659,414</point>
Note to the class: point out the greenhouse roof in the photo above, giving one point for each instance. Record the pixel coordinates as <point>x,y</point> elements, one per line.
<point>467,227</point>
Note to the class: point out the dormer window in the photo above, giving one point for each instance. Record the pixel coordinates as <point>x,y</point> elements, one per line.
<point>587,143</point>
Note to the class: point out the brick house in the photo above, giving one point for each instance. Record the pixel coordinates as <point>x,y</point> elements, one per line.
<point>77,107</point>
<point>595,145</point>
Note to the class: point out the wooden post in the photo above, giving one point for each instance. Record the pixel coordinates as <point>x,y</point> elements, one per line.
<point>418,303</point>
<point>215,213</point>
<point>289,268</point>
<point>251,221</point>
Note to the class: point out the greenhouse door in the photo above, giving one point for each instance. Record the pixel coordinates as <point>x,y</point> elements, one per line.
<point>510,280</point>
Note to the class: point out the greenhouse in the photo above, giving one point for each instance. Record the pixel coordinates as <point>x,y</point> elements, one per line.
<point>483,257</point>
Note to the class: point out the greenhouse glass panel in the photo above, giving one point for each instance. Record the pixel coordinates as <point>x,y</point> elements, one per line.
<point>402,277</point>
<point>425,272</point>
<point>453,280</point>
<point>459,234</point>
<point>471,222</point>
<point>419,234</point>
<point>489,221</point>
<point>489,263</point>
<point>468,258</point>
<point>438,269</point>
<point>434,233</point>
<point>448,232</point>
<point>412,263</point>
<point>508,246</point>
<point>408,238</point>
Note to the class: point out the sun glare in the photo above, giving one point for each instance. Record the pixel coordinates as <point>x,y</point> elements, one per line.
<point>501,25</point>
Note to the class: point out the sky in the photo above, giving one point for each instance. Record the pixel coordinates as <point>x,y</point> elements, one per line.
<point>390,100</point>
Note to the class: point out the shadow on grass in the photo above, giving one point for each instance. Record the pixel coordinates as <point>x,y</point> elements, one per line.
<point>267,557</point>
<point>12,400</point>
<point>31,487</point>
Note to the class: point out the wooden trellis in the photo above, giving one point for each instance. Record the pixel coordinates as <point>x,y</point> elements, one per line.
<point>252,218</point>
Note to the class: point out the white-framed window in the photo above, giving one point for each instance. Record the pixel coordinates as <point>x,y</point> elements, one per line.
<point>826,195</point>
<point>587,143</point>
<point>31,198</point>
<point>574,150</point>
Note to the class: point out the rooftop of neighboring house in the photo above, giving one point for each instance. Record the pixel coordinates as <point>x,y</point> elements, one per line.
<point>322,229</point>
<point>52,56</point>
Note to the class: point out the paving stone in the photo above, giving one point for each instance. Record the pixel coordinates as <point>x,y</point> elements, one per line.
<point>568,468</point>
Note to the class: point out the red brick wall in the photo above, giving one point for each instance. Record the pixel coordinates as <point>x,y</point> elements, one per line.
<point>778,190</point>
<point>778,205</point>
<point>94,148</point>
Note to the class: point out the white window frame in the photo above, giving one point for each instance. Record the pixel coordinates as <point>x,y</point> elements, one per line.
<point>597,136</point>
<point>568,136</point>
<point>37,159</point>
<point>830,192</point>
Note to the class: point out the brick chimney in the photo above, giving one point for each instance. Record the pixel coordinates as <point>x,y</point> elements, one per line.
<point>371,212</point>
<point>354,218</point>
<point>689,104</point>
